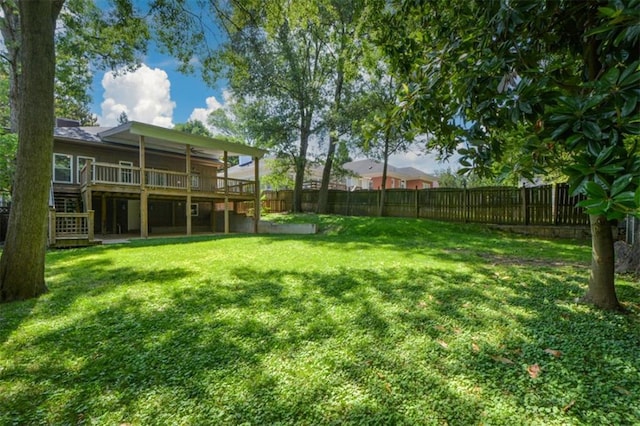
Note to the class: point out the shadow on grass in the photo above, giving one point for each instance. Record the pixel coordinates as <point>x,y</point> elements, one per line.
<point>418,345</point>
<point>393,346</point>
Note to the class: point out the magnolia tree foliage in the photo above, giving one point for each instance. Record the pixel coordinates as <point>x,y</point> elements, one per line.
<point>565,71</point>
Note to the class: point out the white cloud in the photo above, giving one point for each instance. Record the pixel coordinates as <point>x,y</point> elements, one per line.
<point>202,114</point>
<point>144,95</point>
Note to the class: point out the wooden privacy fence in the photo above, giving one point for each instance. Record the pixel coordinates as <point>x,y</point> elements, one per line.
<point>541,205</point>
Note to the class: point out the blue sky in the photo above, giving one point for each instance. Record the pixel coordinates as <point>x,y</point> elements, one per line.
<point>187,92</point>
<point>158,94</point>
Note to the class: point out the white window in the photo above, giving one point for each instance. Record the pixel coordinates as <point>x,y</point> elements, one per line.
<point>403,184</point>
<point>194,209</point>
<point>425,185</point>
<point>81,161</point>
<point>195,181</point>
<point>126,174</point>
<point>63,168</point>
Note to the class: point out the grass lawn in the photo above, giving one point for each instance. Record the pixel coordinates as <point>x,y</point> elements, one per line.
<point>372,321</point>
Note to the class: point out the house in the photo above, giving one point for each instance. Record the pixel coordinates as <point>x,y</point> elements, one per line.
<point>140,178</point>
<point>368,175</point>
<point>363,174</point>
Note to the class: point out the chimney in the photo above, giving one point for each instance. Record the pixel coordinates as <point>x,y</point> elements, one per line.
<point>66,122</point>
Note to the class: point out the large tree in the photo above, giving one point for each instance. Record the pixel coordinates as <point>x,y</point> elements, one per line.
<point>22,263</point>
<point>31,55</point>
<point>566,71</point>
<point>344,24</point>
<point>279,63</point>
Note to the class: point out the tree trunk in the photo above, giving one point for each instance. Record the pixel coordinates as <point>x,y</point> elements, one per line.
<point>323,194</point>
<point>22,263</point>
<point>301,164</point>
<point>602,291</point>
<point>10,30</point>
<point>385,165</point>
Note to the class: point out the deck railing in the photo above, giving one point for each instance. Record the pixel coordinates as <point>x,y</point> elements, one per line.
<point>70,226</point>
<point>116,174</point>
<point>110,173</point>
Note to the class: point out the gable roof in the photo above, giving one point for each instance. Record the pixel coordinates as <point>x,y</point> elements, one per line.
<point>373,168</point>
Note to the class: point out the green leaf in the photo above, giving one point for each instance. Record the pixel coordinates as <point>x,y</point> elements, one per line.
<point>560,130</point>
<point>604,155</point>
<point>609,12</point>
<point>610,169</point>
<point>620,184</point>
<point>591,130</point>
<point>594,206</point>
<point>625,198</point>
<point>629,106</point>
<point>595,191</point>
<point>611,76</point>
<point>574,140</point>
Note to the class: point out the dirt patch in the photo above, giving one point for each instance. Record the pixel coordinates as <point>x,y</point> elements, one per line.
<point>498,259</point>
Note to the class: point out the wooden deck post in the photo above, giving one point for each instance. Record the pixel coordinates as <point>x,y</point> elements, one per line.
<point>103,214</point>
<point>188,206</point>
<point>144,196</point>
<point>213,216</point>
<point>257,205</point>
<point>226,193</point>
<point>52,226</point>
<point>90,225</point>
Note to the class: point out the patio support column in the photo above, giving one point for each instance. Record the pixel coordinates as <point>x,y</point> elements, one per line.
<point>213,216</point>
<point>226,193</point>
<point>103,215</point>
<point>256,205</point>
<point>144,196</point>
<point>188,206</point>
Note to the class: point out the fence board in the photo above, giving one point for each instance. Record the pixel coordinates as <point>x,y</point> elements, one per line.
<point>542,205</point>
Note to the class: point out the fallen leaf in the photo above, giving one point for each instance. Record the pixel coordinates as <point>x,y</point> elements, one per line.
<point>422,304</point>
<point>443,344</point>
<point>388,387</point>
<point>380,375</point>
<point>568,406</point>
<point>554,352</point>
<point>534,370</point>
<point>440,328</point>
<point>475,347</point>
<point>457,330</point>
<point>502,359</point>
<point>622,390</point>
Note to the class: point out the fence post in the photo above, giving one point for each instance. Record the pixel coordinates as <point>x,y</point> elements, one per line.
<point>555,201</point>
<point>467,207</point>
<point>417,203</point>
<point>525,206</point>
<point>52,226</point>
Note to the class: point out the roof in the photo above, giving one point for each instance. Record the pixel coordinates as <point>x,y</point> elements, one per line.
<point>373,168</point>
<point>159,138</point>
<point>87,134</point>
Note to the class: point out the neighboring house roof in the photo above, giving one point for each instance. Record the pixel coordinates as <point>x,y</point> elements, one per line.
<point>372,168</point>
<point>156,137</point>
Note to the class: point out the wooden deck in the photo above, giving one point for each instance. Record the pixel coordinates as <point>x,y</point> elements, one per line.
<point>106,177</point>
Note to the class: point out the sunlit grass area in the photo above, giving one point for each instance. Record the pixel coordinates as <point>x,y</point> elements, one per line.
<point>371,321</point>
